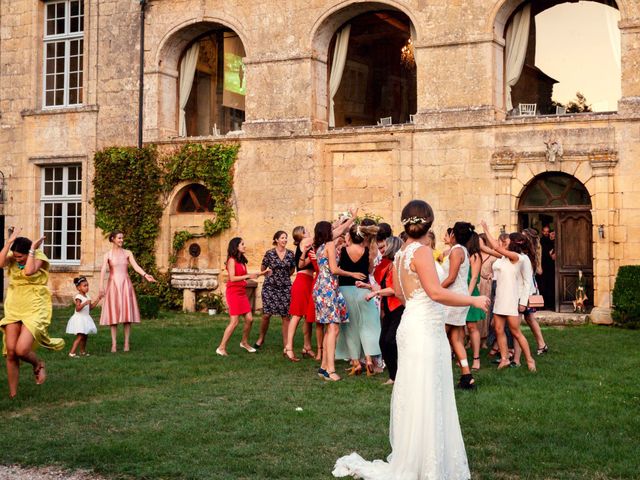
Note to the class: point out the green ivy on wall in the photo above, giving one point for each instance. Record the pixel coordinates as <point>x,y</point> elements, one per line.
<point>129,187</point>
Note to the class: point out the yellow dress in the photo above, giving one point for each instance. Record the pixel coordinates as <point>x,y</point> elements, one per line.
<point>29,301</point>
<point>436,255</point>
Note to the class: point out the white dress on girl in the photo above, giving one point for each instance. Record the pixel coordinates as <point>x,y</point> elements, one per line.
<point>81,322</point>
<point>424,431</point>
<point>457,316</point>
<point>508,286</point>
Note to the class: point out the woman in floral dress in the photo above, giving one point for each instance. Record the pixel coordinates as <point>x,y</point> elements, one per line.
<point>331,308</point>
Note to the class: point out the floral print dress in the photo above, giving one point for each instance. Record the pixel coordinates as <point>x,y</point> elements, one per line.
<point>276,290</point>
<point>330,304</point>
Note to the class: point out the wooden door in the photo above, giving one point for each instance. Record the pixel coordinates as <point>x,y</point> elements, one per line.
<point>574,253</point>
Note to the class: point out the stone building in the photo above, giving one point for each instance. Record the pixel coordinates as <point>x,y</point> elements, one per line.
<point>334,103</point>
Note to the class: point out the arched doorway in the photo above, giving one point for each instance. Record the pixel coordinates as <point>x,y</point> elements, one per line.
<point>559,207</point>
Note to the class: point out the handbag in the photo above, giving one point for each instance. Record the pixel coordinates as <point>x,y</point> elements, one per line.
<point>536,301</point>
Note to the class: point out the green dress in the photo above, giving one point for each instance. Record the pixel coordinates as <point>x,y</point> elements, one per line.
<point>29,301</point>
<point>475,314</point>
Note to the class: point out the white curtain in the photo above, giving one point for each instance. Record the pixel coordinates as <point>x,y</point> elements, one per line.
<point>612,17</point>
<point>337,68</point>
<point>187,73</point>
<point>517,41</point>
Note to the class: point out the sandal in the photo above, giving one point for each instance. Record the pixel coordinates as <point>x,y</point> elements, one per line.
<point>308,353</point>
<point>40,373</point>
<point>355,370</point>
<point>543,350</point>
<point>493,352</point>
<point>370,370</point>
<point>467,382</point>
<point>532,366</point>
<point>248,348</point>
<point>289,355</point>
<point>322,373</point>
<point>475,369</point>
<point>332,377</point>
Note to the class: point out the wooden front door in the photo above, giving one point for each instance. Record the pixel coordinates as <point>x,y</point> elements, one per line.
<point>574,245</point>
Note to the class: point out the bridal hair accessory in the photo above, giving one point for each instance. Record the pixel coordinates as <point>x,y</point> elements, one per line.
<point>359,232</point>
<point>413,220</point>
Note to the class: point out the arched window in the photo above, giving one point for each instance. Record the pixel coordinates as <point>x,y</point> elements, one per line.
<point>554,189</point>
<point>562,57</point>
<point>371,71</point>
<point>212,85</point>
<point>195,198</point>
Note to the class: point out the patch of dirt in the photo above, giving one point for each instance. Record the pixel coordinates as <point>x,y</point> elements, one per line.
<point>15,472</point>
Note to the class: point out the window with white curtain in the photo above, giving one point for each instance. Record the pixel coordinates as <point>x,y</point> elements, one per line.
<point>63,53</point>
<point>61,212</point>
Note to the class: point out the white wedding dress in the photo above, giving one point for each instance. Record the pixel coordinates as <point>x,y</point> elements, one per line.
<point>424,430</point>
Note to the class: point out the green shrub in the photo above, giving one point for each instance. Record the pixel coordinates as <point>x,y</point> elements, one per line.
<point>626,297</point>
<point>211,300</point>
<point>149,306</point>
<point>169,298</point>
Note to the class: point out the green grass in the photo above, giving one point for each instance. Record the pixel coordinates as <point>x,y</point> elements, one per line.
<point>172,409</point>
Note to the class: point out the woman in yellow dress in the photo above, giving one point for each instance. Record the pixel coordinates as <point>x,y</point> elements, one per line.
<point>27,308</point>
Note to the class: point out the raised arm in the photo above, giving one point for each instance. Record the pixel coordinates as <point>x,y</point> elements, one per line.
<point>456,257</point>
<point>425,267</point>
<point>33,264</point>
<point>330,250</point>
<point>476,264</point>
<point>138,268</point>
<point>495,245</point>
<point>4,253</point>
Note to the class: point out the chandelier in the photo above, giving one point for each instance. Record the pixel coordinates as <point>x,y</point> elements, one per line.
<point>407,58</point>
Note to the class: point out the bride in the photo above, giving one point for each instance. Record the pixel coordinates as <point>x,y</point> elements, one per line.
<point>424,431</point>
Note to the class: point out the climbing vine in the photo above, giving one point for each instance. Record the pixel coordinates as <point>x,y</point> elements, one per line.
<point>131,187</point>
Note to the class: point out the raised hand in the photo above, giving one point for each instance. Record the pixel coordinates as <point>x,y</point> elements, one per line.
<point>15,233</point>
<point>38,242</point>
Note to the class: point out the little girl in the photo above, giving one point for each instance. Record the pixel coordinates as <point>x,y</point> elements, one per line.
<point>81,324</point>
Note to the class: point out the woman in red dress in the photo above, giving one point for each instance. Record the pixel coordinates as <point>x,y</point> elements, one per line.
<point>236,295</point>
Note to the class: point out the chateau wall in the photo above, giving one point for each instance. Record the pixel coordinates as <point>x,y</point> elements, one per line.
<point>461,155</point>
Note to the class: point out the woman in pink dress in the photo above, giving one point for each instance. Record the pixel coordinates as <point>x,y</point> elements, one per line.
<point>120,304</point>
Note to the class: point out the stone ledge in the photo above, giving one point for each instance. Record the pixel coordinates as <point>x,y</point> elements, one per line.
<point>59,110</point>
<point>555,319</point>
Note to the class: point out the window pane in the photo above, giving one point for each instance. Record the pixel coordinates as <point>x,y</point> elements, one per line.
<point>51,26</point>
<point>51,50</point>
<point>75,8</point>
<point>59,98</point>
<point>60,26</point>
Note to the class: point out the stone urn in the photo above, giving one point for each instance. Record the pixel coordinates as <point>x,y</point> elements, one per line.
<point>190,280</point>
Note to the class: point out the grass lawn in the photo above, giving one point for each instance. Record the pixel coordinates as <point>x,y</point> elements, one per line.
<point>172,409</point>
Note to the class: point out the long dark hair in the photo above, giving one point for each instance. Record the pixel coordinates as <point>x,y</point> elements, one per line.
<point>531,234</point>
<point>233,252</point>
<point>462,232</point>
<point>322,233</point>
<point>520,244</point>
<point>473,244</point>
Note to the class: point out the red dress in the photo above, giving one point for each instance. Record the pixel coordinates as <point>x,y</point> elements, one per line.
<point>301,292</point>
<point>236,292</point>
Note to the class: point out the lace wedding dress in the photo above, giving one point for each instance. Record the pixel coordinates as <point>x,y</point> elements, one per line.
<point>424,431</point>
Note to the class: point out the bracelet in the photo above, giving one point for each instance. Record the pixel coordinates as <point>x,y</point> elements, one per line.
<point>32,253</point>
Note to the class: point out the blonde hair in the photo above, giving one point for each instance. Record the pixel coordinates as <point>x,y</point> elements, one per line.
<point>297,234</point>
<point>432,238</point>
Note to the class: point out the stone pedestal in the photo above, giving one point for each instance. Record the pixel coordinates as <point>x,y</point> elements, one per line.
<point>601,316</point>
<point>190,280</point>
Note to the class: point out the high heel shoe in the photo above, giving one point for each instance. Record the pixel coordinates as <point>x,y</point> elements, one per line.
<point>355,370</point>
<point>467,382</point>
<point>370,370</point>
<point>308,353</point>
<point>292,357</point>
<point>332,377</point>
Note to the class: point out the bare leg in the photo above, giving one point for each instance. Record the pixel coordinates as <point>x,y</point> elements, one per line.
<point>246,329</point>
<point>11,334</point>
<point>474,334</point>
<point>456,339</point>
<point>83,344</point>
<point>285,329</point>
<point>530,318</point>
<point>514,326</point>
<point>306,333</point>
<point>76,343</point>
<point>331,336</point>
<point>291,331</point>
<point>127,333</point>
<point>319,340</point>
<point>264,327</point>
<point>498,323</point>
<point>114,337</point>
<point>24,351</point>
<point>233,323</point>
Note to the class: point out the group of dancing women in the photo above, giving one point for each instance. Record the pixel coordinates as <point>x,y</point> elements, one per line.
<point>344,289</point>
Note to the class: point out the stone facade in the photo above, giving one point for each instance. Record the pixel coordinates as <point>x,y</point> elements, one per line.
<point>462,153</point>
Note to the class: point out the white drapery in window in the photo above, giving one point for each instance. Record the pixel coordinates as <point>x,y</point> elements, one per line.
<point>612,17</point>
<point>517,41</point>
<point>337,68</point>
<point>187,74</point>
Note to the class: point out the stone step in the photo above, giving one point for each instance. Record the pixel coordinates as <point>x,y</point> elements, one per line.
<point>549,318</point>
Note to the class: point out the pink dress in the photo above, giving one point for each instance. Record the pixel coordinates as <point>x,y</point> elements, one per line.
<point>120,304</point>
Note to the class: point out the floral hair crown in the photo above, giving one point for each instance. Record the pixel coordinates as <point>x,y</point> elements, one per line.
<point>413,220</point>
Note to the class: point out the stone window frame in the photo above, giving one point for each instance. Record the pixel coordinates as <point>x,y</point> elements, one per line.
<point>66,38</point>
<point>66,199</point>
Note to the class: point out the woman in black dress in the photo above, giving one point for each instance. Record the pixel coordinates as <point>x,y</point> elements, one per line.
<point>276,289</point>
